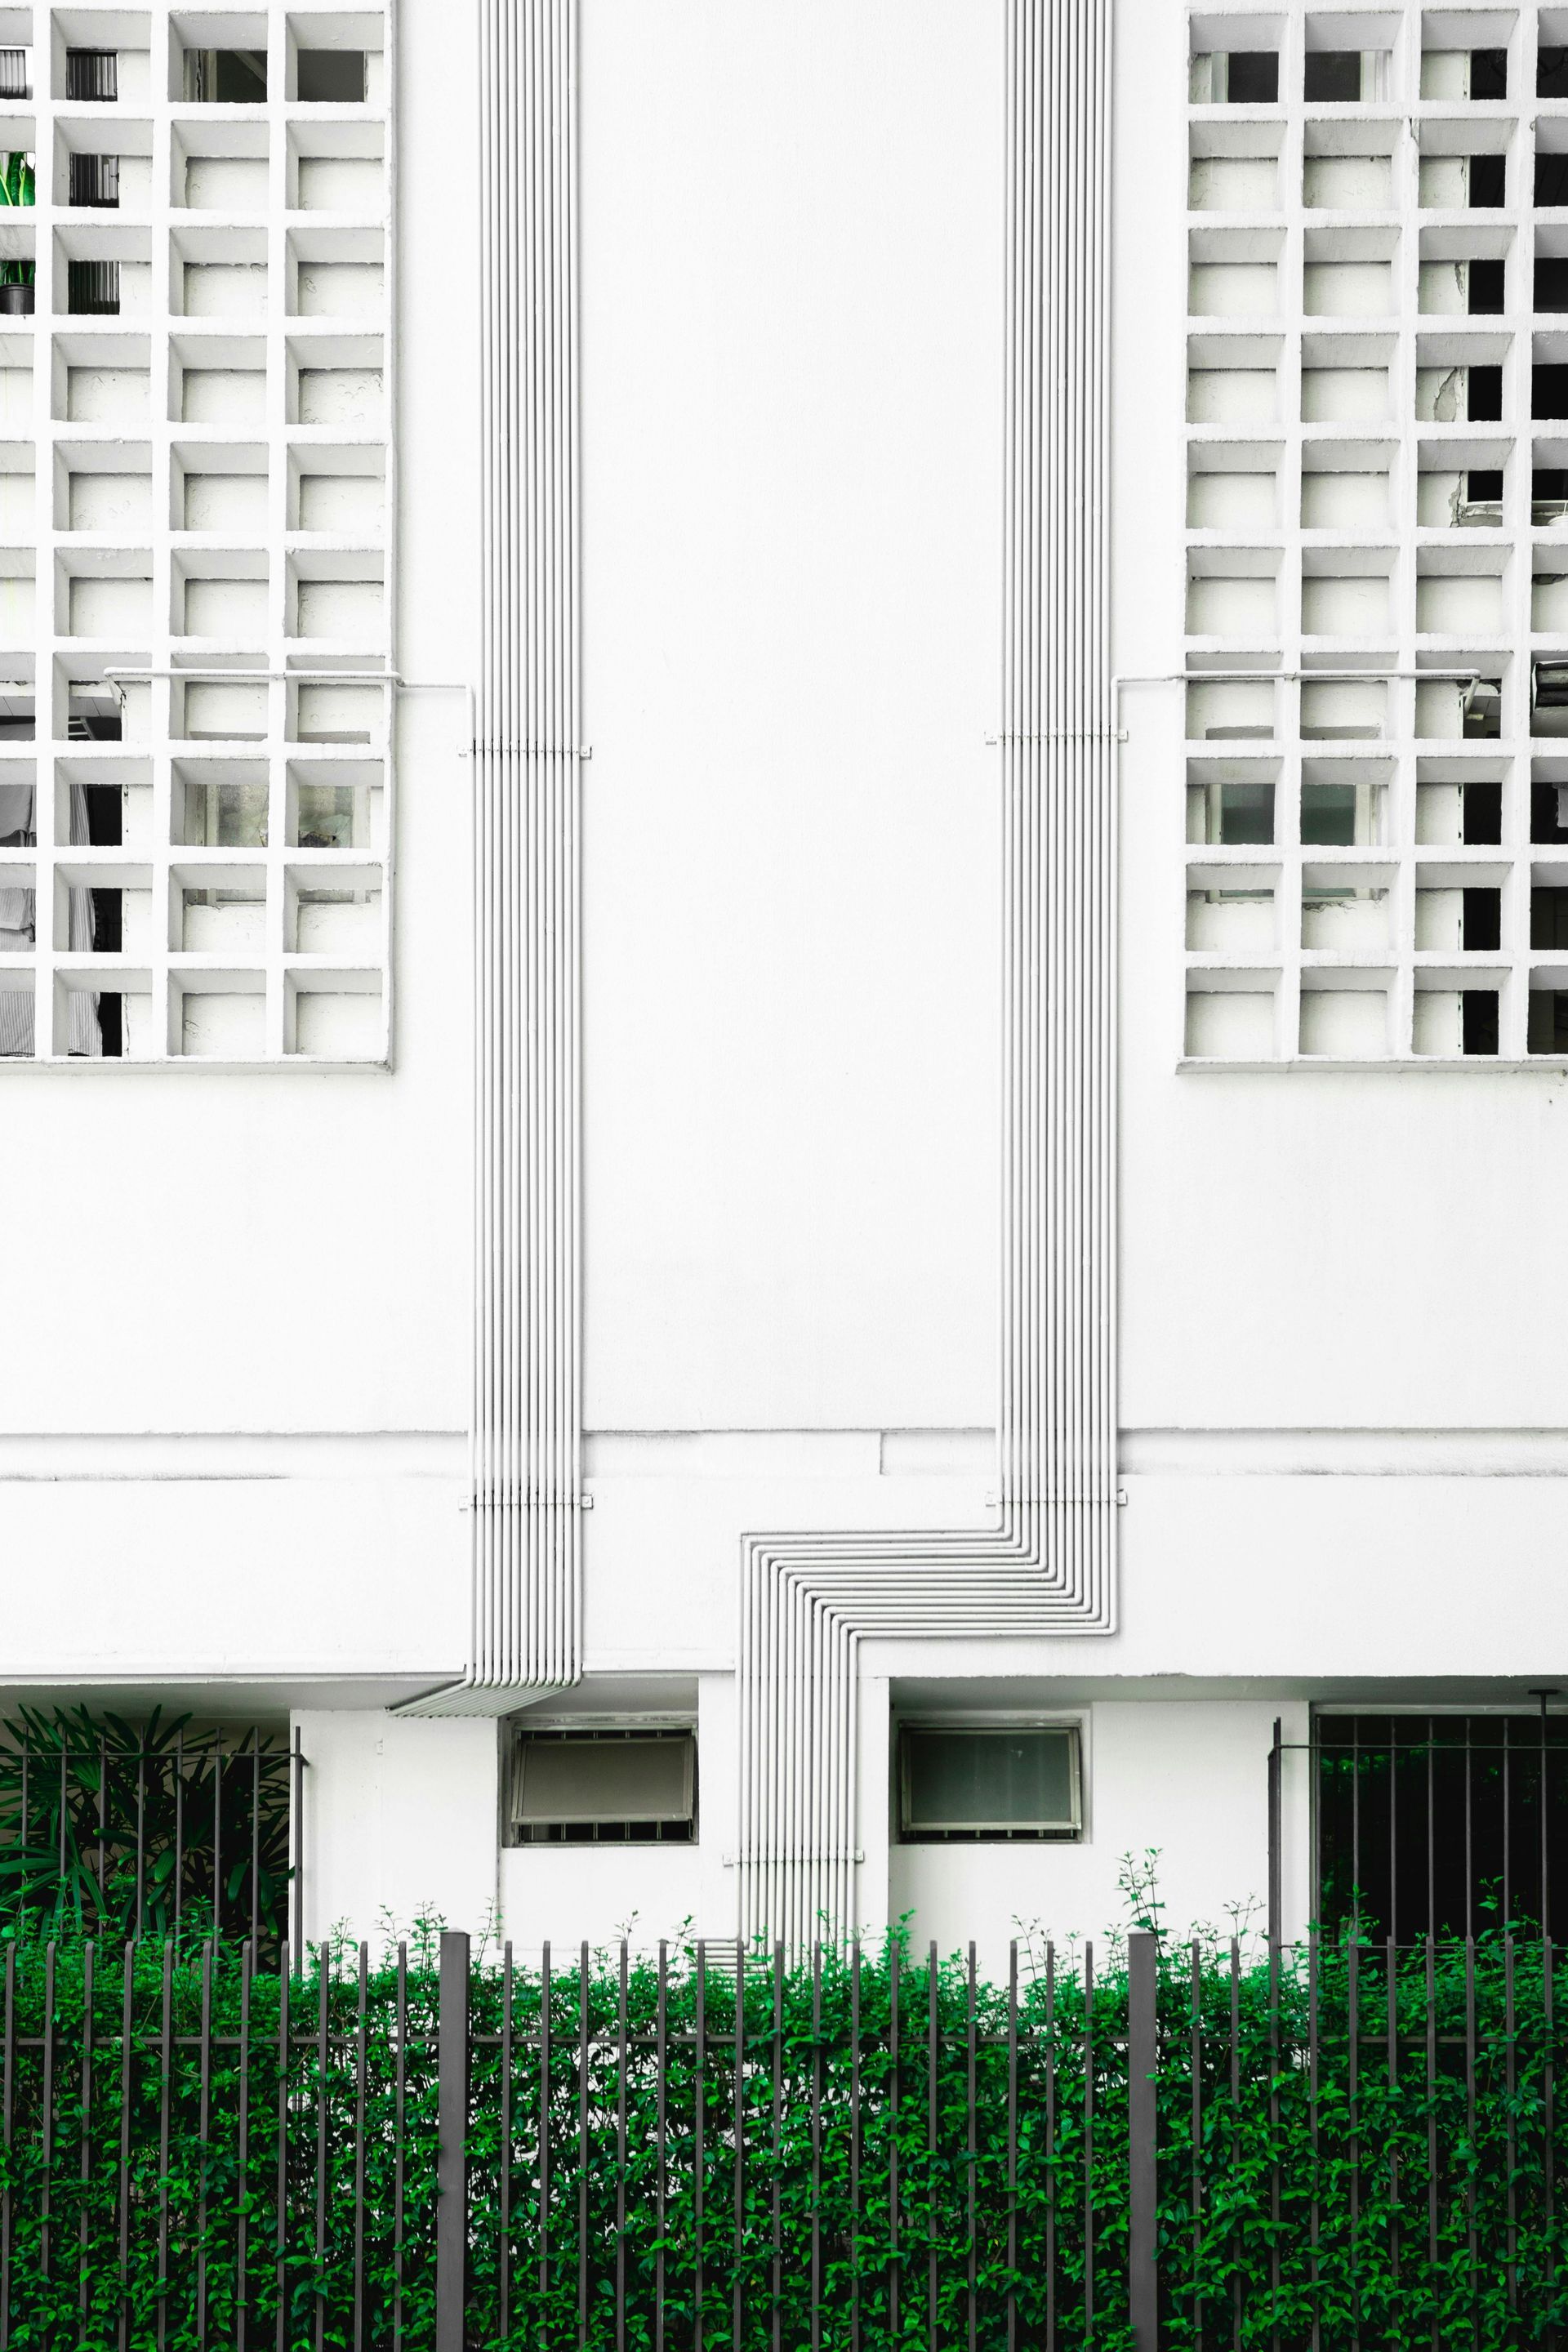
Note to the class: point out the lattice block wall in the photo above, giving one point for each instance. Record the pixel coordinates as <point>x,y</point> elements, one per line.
<point>1377,546</point>
<point>195,788</point>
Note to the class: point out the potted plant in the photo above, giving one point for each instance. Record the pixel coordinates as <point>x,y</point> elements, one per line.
<point>16,187</point>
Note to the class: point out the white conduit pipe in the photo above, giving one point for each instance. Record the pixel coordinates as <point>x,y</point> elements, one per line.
<point>1048,1563</point>
<point>526,1613</point>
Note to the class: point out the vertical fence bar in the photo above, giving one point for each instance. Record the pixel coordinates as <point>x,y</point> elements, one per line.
<point>165,2089</point>
<point>1236,2268</point>
<point>661,2135</point>
<point>1548,2109</point>
<point>503,2250</point>
<point>856,2146</point>
<point>1142,2187</point>
<point>895,2096</point>
<point>1431,1958</point>
<point>296,1840</point>
<point>1195,2126</point>
<point>204,2110</point>
<point>1511,2077</point>
<point>544,2168</point>
<point>622,2061</point>
<point>1471,2233</point>
<point>46,2117</point>
<point>1393,2023</point>
<point>323,2143</point>
<point>242,2215</point>
<point>971,2149</point>
<point>1353,2085</point>
<point>122,2183</point>
<point>7,2112</point>
<point>1011,2303</point>
<point>1314,2086</point>
<point>583,2149</point>
<point>140,1840</point>
<point>85,2165</point>
<point>255,1837</point>
<point>452,2154</point>
<point>400,2110</point>
<point>932,2067</point>
<point>285,1968</point>
<point>103,1818</point>
<point>179,1871</point>
<point>737,2291</point>
<point>699,2135</point>
<point>1051,2147</point>
<point>815,2147</point>
<point>218,1834</point>
<point>1274,2199</point>
<point>1276,1761</point>
<point>1088,2294</point>
<point>362,2087</point>
<point>777,2166</point>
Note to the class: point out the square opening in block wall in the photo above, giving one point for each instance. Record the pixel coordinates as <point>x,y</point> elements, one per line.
<point>1345,1023</point>
<point>333,913</point>
<point>220,488</point>
<point>1345,488</point>
<point>222,597</point>
<point>335,1016</point>
<point>1234,273</point>
<point>226,77</point>
<point>1233,808</point>
<point>1225,181</point>
<point>214,711</point>
<point>219,274</point>
<point>111,389</point>
<point>1333,181</point>
<point>1548,1021</point>
<point>1344,709</point>
<point>1348,914</point>
<point>219,1016</point>
<point>1343,804</point>
<point>18,1023</point>
<point>1229,709</point>
<point>336,274</point>
<point>218,911</point>
<point>106,595</point>
<point>220,167</point>
<point>219,805</point>
<point>325,712</point>
<point>337,805</point>
<point>327,389</point>
<point>1231,910</point>
<point>216,380</point>
<point>108,804</point>
<point>1346,594</point>
<point>340,492</point>
<point>1460,593</point>
<point>107,490</point>
<point>1233,78</point>
<point>340,599</point>
<point>1233,595</point>
<point>1231,1023</point>
<point>329,76</point>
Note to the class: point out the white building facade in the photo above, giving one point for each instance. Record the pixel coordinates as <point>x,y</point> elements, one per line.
<point>784,1011</point>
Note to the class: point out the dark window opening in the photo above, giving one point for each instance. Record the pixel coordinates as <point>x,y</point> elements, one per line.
<point>1548,1022</point>
<point>1483,721</point>
<point>1548,816</point>
<point>987,1784</point>
<point>1247,815</point>
<point>93,717</point>
<point>1552,73</point>
<point>1252,78</point>
<point>1479,1019</point>
<point>1434,1824</point>
<point>1482,826</point>
<point>226,77</point>
<point>1483,394</point>
<point>1481,927</point>
<point>1485,289</point>
<point>1551,180</point>
<point>1489,179</point>
<point>625,1786</point>
<point>92,76</point>
<point>1332,77</point>
<point>95,179</point>
<point>18,715</point>
<point>1551,282</point>
<point>103,830</point>
<point>1489,74</point>
<point>1327,815</point>
<point>92,289</point>
<point>332,76</point>
<point>1549,391</point>
<point>1484,488</point>
<point>1548,917</point>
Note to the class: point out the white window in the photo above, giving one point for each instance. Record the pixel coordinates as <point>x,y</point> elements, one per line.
<point>621,1786</point>
<point>976,1781</point>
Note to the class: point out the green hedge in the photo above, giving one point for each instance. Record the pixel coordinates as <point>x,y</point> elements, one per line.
<point>906,2197</point>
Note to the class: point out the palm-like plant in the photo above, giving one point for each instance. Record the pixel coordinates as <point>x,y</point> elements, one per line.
<point>117,1828</point>
<point>18,186</point>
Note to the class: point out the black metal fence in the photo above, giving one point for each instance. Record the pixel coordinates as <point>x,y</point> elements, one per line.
<point>1336,2146</point>
<point>133,1830</point>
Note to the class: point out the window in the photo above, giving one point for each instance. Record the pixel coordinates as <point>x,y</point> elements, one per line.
<point>976,1783</point>
<point>1434,1823</point>
<point>622,1785</point>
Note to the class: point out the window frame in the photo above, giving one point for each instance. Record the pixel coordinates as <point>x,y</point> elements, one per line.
<point>611,1829</point>
<point>996,1725</point>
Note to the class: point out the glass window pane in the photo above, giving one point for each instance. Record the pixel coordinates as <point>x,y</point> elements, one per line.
<point>1005,1780</point>
<point>604,1780</point>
